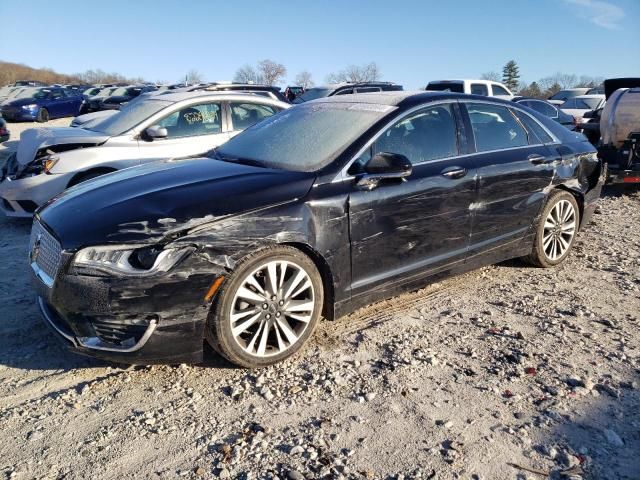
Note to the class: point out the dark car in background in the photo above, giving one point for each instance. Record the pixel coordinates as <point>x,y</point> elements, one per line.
<point>4,132</point>
<point>124,95</point>
<point>92,104</point>
<point>547,109</point>
<point>249,246</point>
<point>42,104</point>
<point>346,89</point>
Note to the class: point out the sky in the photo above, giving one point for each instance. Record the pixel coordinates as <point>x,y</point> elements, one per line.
<point>412,41</point>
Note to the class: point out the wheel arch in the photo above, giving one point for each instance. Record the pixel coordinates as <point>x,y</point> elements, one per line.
<point>99,170</point>
<point>328,310</point>
<point>578,195</point>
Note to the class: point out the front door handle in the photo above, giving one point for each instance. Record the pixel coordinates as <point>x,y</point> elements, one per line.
<point>454,172</point>
<point>537,159</point>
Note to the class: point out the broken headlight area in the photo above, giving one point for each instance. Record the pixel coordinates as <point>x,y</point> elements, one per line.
<point>123,260</point>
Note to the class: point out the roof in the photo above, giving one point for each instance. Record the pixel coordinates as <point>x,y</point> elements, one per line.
<point>180,96</point>
<point>455,80</point>
<point>395,98</point>
<point>593,95</point>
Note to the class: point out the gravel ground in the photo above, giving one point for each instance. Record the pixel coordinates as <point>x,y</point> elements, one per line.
<point>507,372</point>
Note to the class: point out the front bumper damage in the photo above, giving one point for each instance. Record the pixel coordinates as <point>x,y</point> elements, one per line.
<point>159,319</point>
<point>20,197</point>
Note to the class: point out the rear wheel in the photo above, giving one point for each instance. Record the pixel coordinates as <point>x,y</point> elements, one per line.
<point>267,308</point>
<point>556,230</point>
<point>43,115</point>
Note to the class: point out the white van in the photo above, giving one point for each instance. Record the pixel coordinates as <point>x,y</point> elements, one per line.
<point>487,88</point>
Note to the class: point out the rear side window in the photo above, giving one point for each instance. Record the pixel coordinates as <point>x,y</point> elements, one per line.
<point>495,127</point>
<point>498,90</point>
<point>243,115</point>
<point>368,89</point>
<point>537,133</point>
<point>428,134</point>
<point>446,87</point>
<point>479,89</point>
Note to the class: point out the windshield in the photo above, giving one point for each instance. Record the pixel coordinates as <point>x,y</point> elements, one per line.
<point>592,102</point>
<point>119,91</point>
<point>312,94</point>
<point>91,91</point>
<point>565,94</point>
<point>38,93</point>
<point>129,116</point>
<point>105,92</point>
<point>302,139</point>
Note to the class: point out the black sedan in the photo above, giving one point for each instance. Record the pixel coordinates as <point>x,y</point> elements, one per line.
<point>547,109</point>
<point>316,211</point>
<point>122,96</point>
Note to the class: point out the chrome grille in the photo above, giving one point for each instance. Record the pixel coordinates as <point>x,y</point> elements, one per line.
<point>45,253</point>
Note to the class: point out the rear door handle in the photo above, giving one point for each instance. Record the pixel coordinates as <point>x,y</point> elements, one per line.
<point>537,159</point>
<point>454,172</point>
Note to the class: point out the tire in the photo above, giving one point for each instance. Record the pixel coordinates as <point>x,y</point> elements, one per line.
<point>43,115</point>
<point>248,346</point>
<point>86,176</point>
<point>556,230</point>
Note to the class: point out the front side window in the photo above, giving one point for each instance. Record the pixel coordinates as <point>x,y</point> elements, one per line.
<point>495,127</point>
<point>498,90</point>
<point>479,89</point>
<point>195,120</point>
<point>428,134</point>
<point>243,115</point>
<point>346,91</point>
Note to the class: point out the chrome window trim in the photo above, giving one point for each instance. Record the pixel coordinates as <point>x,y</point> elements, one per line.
<point>343,175</point>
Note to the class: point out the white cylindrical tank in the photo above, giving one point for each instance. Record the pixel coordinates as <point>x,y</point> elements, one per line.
<point>620,116</point>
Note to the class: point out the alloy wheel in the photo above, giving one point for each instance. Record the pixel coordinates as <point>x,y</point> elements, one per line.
<point>272,308</point>
<point>559,230</point>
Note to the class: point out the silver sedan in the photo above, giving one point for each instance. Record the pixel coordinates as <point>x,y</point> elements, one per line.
<point>49,160</point>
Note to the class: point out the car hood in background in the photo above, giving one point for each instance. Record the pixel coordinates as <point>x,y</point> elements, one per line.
<point>34,139</point>
<point>93,117</point>
<point>152,202</point>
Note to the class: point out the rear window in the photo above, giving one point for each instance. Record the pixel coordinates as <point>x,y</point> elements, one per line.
<point>446,87</point>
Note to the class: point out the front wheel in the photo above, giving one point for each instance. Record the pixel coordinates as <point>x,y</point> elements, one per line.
<point>43,115</point>
<point>556,230</point>
<point>267,308</point>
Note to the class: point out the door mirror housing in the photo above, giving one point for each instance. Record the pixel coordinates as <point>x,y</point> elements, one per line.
<point>154,132</point>
<point>384,166</point>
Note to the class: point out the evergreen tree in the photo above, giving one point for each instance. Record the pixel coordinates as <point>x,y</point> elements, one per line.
<point>534,90</point>
<point>511,75</point>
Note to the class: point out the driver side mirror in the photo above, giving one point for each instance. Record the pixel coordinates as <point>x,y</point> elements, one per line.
<point>154,132</point>
<point>384,166</point>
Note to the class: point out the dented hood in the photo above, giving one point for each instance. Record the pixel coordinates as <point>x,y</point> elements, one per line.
<point>34,139</point>
<point>153,202</point>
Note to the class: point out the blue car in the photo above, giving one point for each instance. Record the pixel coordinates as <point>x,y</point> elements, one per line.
<point>42,104</point>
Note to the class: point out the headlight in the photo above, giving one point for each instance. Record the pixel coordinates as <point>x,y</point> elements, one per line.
<point>30,107</point>
<point>124,260</point>
<point>49,162</point>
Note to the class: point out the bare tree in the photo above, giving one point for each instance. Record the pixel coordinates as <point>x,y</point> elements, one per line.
<point>193,77</point>
<point>247,74</point>
<point>271,72</point>
<point>356,73</point>
<point>304,79</point>
<point>493,76</point>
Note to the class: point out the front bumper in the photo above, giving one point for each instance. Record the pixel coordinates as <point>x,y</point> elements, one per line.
<point>20,197</point>
<point>20,115</point>
<point>128,320</point>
